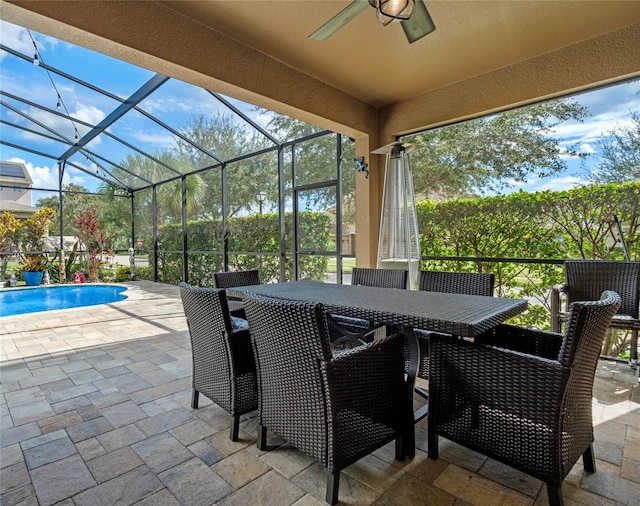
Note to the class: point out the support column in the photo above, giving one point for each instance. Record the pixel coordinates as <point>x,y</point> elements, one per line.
<point>368,202</point>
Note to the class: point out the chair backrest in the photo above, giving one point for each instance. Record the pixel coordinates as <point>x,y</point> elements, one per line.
<point>382,278</point>
<point>291,343</point>
<point>587,279</point>
<point>209,325</point>
<point>205,308</point>
<point>468,283</point>
<point>236,278</point>
<point>586,328</point>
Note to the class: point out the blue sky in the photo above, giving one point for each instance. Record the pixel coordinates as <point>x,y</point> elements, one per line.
<point>175,102</point>
<point>608,108</point>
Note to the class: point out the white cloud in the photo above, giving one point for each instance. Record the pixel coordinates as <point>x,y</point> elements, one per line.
<point>558,184</point>
<point>587,148</point>
<point>15,37</point>
<point>159,141</point>
<point>609,109</point>
<point>47,177</point>
<point>515,184</point>
<point>18,38</point>
<point>88,113</point>
<point>62,126</point>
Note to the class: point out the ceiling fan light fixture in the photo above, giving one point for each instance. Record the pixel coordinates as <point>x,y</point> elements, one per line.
<point>389,11</point>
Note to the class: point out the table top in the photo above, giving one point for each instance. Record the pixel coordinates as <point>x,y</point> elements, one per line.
<point>465,315</point>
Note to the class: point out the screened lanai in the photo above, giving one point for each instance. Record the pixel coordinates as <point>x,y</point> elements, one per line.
<point>97,403</point>
<point>366,81</point>
<point>193,180</point>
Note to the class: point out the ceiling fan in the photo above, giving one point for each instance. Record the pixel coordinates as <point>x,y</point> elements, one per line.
<point>412,14</point>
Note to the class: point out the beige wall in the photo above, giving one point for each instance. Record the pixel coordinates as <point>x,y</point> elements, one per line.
<point>152,36</point>
<point>608,58</point>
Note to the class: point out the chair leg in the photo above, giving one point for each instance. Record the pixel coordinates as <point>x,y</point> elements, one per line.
<point>235,427</point>
<point>555,495</point>
<point>432,445</point>
<point>333,483</point>
<point>633,357</point>
<point>194,398</point>
<point>589,459</point>
<point>261,442</point>
<point>400,453</point>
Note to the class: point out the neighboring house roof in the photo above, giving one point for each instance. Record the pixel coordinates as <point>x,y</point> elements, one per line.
<point>15,172</point>
<point>21,211</point>
<point>68,241</point>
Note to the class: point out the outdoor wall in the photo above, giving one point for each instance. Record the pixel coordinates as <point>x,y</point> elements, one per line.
<point>605,59</point>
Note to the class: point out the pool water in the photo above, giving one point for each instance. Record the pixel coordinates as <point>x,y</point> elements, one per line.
<point>44,298</point>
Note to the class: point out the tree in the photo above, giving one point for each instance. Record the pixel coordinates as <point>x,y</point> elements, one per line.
<point>93,239</point>
<point>315,161</point>
<point>115,217</point>
<point>168,195</point>
<point>620,153</point>
<point>226,139</point>
<point>10,227</point>
<point>490,153</point>
<point>35,229</point>
<point>76,199</point>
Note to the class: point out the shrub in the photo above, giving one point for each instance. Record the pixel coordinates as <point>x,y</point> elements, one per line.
<point>123,274</point>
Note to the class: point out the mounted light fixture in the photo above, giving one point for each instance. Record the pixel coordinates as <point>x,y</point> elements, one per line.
<point>412,15</point>
<point>389,11</point>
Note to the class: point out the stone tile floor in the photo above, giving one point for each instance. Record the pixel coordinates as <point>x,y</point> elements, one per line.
<point>95,411</point>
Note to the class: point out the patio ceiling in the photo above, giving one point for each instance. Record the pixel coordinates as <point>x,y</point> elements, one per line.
<point>259,51</point>
<point>377,65</point>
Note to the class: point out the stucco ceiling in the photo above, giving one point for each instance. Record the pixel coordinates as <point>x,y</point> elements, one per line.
<point>377,65</point>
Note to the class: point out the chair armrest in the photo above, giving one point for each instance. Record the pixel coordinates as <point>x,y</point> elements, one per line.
<point>369,378</point>
<point>522,384</point>
<point>341,329</point>
<point>540,343</point>
<point>560,288</point>
<point>555,306</point>
<point>388,348</point>
<point>241,352</point>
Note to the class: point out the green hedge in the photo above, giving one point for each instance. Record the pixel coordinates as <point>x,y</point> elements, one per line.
<point>246,234</point>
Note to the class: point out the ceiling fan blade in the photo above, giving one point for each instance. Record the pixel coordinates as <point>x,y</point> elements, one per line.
<point>340,19</point>
<point>419,24</point>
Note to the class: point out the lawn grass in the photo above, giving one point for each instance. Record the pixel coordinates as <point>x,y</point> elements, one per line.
<point>347,265</point>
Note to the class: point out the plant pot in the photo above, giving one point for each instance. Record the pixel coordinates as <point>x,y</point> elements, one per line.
<point>32,278</point>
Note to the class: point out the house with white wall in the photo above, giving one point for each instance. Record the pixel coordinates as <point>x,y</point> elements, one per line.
<point>15,189</point>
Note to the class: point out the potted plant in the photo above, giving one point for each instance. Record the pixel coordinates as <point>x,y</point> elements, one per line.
<point>33,263</point>
<point>33,268</point>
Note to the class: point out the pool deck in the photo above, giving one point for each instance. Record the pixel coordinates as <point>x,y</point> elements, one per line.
<point>95,411</point>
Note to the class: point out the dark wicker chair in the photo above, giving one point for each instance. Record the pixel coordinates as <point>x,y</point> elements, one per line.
<point>522,396</point>
<point>355,331</point>
<point>334,408</point>
<point>467,283</point>
<point>585,279</point>
<point>223,362</point>
<point>383,278</point>
<point>236,278</point>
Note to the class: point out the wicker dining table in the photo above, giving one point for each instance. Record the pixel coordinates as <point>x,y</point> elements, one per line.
<point>405,310</point>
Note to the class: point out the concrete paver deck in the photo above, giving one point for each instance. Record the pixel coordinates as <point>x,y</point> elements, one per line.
<point>95,411</point>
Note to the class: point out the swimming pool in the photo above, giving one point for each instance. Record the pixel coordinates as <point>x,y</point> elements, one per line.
<point>45,298</point>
